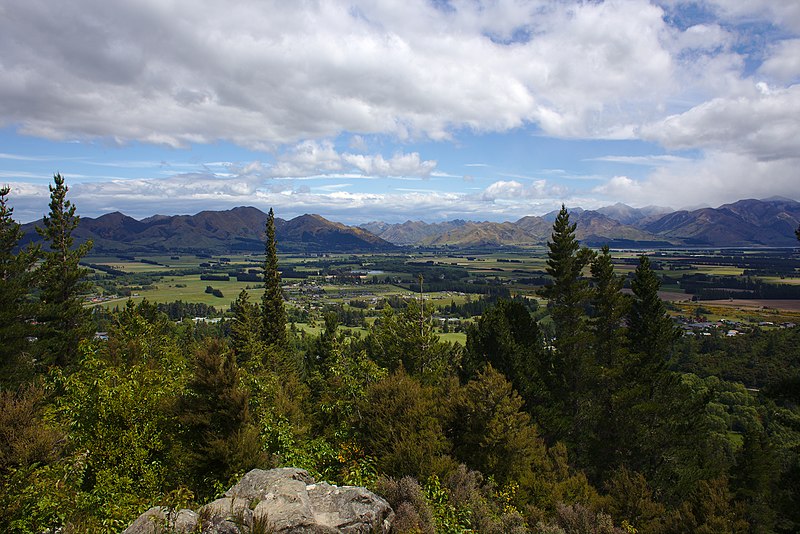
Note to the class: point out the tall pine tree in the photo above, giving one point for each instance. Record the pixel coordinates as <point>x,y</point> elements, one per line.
<point>245,329</point>
<point>63,320</point>
<point>651,331</point>
<point>273,313</point>
<point>568,294</point>
<point>605,421</point>
<point>15,309</point>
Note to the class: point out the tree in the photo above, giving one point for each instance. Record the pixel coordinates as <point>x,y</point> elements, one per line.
<point>407,339</point>
<point>273,312</point>
<point>603,421</point>
<point>245,328</point>
<point>651,331</point>
<point>508,338</point>
<point>63,319</point>
<point>494,435</point>
<point>568,294</point>
<point>15,309</point>
<point>215,416</point>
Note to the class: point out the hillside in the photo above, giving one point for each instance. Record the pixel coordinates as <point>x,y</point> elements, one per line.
<point>749,223</point>
<point>237,230</point>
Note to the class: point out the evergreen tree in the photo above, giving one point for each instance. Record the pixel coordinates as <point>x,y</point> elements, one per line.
<point>63,319</point>
<point>651,331</point>
<point>15,309</point>
<point>407,339</point>
<point>215,416</point>
<point>245,328</point>
<point>491,432</point>
<point>603,419</point>
<point>273,312</point>
<point>508,338</point>
<point>568,294</point>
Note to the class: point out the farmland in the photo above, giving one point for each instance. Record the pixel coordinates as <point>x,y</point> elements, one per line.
<point>712,284</point>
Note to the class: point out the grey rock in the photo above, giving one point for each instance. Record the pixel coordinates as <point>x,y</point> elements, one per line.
<point>285,501</point>
<point>160,520</point>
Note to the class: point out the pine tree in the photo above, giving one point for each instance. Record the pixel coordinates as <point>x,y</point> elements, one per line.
<point>245,328</point>
<point>15,310</point>
<point>63,319</point>
<point>605,421</point>
<point>651,331</point>
<point>568,294</point>
<point>508,338</point>
<point>273,313</point>
<point>216,421</point>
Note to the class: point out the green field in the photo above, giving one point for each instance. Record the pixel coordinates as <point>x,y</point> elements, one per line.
<point>363,283</point>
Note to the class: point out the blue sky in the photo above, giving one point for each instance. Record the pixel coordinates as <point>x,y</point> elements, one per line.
<point>359,111</point>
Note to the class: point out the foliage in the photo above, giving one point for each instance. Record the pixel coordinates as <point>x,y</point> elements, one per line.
<point>568,294</point>
<point>63,320</point>
<point>220,441</point>
<point>273,312</point>
<point>407,339</point>
<point>507,338</point>
<point>16,310</point>
<point>401,427</point>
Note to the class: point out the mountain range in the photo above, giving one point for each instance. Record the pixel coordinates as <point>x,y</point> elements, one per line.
<point>746,223</point>
<point>237,230</point>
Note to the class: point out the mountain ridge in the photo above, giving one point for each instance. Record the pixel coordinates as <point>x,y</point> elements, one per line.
<point>239,229</point>
<point>744,223</point>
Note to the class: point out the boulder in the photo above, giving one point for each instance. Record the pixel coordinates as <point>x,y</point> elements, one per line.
<point>285,500</point>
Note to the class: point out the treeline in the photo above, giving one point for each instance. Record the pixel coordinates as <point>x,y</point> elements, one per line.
<point>707,287</point>
<point>595,428</point>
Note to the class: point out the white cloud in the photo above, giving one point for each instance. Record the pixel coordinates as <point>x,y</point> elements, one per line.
<point>715,179</point>
<point>650,161</point>
<point>312,158</point>
<point>764,125</point>
<point>264,74</point>
<point>514,190</point>
<point>783,63</point>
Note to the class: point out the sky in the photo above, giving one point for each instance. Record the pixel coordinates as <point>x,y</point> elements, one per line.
<point>395,110</point>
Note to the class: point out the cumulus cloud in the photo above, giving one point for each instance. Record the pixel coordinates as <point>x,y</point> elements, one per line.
<point>311,158</point>
<point>266,73</point>
<point>716,178</point>
<point>514,190</point>
<point>764,124</point>
<point>287,77</point>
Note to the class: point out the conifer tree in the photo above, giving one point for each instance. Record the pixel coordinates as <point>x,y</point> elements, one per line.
<point>273,313</point>
<point>605,422</point>
<point>215,418</point>
<point>245,328</point>
<point>508,338</point>
<point>63,319</point>
<point>568,294</point>
<point>651,331</point>
<point>15,310</point>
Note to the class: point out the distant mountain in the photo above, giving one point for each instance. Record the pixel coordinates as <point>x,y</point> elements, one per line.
<point>236,230</point>
<point>769,222</point>
<point>625,214</point>
<point>743,223</point>
<point>411,232</point>
<point>483,234</point>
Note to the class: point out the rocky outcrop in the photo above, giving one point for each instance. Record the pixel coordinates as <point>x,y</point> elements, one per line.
<point>283,500</point>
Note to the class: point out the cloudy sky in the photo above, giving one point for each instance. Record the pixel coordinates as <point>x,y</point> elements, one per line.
<point>394,110</point>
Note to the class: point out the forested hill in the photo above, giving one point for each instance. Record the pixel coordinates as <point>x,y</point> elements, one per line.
<point>237,230</point>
